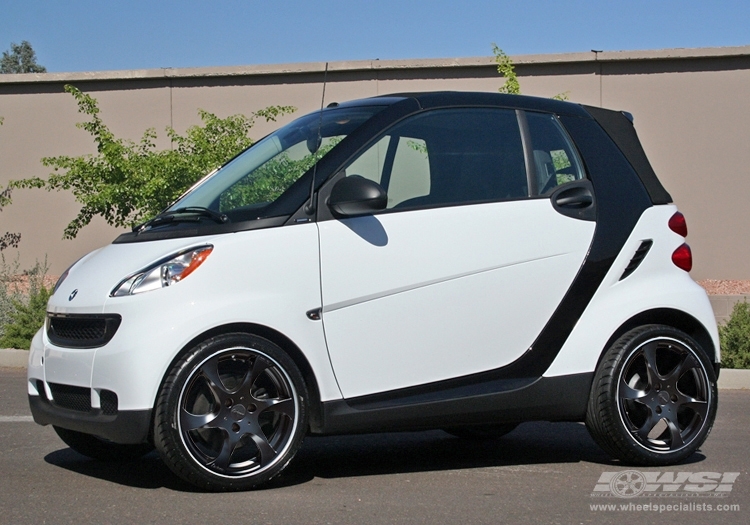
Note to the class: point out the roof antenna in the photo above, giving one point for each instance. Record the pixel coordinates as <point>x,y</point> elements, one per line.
<point>310,206</point>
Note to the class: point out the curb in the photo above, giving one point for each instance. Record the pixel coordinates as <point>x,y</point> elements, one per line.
<point>729,379</point>
<point>10,358</point>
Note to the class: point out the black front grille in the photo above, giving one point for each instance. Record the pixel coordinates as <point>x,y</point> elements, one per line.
<point>71,397</point>
<point>81,331</point>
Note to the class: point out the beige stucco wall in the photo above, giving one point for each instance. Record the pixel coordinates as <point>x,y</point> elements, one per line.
<point>691,107</point>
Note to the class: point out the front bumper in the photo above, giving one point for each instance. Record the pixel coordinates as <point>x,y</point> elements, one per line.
<point>127,427</point>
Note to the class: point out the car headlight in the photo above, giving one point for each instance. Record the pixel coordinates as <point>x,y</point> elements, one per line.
<point>166,272</point>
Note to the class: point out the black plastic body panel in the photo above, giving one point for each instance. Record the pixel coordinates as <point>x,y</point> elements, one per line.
<point>562,398</point>
<point>622,132</point>
<point>126,427</point>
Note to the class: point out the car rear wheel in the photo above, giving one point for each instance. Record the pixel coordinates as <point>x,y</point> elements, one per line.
<point>653,400</point>
<point>98,448</point>
<point>231,413</point>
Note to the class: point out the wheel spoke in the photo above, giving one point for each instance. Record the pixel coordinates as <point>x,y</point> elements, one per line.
<point>223,460</point>
<point>210,371</point>
<point>267,452</point>
<point>652,420</point>
<point>190,421</point>
<point>696,405</point>
<point>675,433</point>
<point>687,363</point>
<point>282,406</point>
<point>628,392</point>
<point>649,355</point>
<point>260,365</point>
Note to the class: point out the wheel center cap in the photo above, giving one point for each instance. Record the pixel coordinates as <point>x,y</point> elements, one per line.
<point>238,412</point>
<point>663,397</point>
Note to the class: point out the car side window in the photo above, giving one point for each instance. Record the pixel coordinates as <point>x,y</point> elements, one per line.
<point>555,159</point>
<point>448,157</point>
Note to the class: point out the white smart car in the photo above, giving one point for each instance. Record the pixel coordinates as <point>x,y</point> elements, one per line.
<point>463,261</point>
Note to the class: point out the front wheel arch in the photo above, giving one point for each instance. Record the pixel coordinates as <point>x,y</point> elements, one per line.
<point>276,337</point>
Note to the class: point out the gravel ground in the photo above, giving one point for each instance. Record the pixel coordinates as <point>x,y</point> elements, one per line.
<point>725,287</point>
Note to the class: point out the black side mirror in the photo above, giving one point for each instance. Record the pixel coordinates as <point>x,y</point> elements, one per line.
<point>356,195</point>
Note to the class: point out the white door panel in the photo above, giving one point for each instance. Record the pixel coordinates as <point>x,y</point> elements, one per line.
<point>415,297</point>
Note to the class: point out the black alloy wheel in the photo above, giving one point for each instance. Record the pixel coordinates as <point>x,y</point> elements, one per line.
<point>232,413</point>
<point>654,397</point>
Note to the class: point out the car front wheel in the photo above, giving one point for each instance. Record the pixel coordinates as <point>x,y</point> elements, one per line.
<point>653,400</point>
<point>231,413</point>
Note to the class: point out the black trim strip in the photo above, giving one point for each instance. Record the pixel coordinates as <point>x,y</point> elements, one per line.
<point>561,398</point>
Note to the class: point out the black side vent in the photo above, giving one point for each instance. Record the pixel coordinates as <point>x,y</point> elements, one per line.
<point>79,398</point>
<point>638,257</point>
<point>109,402</point>
<point>71,397</point>
<point>81,331</point>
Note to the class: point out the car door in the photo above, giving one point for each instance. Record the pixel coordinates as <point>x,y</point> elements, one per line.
<point>464,268</point>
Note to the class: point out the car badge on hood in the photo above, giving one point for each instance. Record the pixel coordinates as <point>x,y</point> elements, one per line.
<point>73,294</point>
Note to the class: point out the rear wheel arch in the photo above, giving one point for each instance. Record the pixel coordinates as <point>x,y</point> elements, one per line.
<point>669,317</point>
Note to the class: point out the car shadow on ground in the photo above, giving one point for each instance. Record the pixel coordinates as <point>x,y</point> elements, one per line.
<point>378,454</point>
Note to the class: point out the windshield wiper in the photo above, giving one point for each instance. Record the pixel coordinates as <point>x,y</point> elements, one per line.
<point>187,214</point>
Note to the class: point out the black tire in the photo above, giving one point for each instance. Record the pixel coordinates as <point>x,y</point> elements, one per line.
<point>654,397</point>
<point>482,432</point>
<point>101,449</point>
<point>231,413</point>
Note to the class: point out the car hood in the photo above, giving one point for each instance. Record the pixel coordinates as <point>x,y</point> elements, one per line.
<point>94,276</point>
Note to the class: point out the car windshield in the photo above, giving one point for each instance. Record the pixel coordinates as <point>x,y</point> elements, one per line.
<point>244,188</point>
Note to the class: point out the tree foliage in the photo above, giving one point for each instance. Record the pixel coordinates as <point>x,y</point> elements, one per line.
<point>507,69</point>
<point>128,182</point>
<point>20,59</point>
<point>7,239</point>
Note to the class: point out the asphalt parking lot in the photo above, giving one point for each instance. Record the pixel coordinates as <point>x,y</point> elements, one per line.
<point>540,473</point>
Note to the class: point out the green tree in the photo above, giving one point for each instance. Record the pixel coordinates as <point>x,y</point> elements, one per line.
<point>20,59</point>
<point>507,69</point>
<point>128,182</point>
<point>7,239</point>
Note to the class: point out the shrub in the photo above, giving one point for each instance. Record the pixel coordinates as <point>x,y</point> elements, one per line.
<point>26,320</point>
<point>9,291</point>
<point>23,302</point>
<point>735,338</point>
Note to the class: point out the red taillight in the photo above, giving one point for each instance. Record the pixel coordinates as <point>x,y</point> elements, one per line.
<point>678,224</point>
<point>683,258</point>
